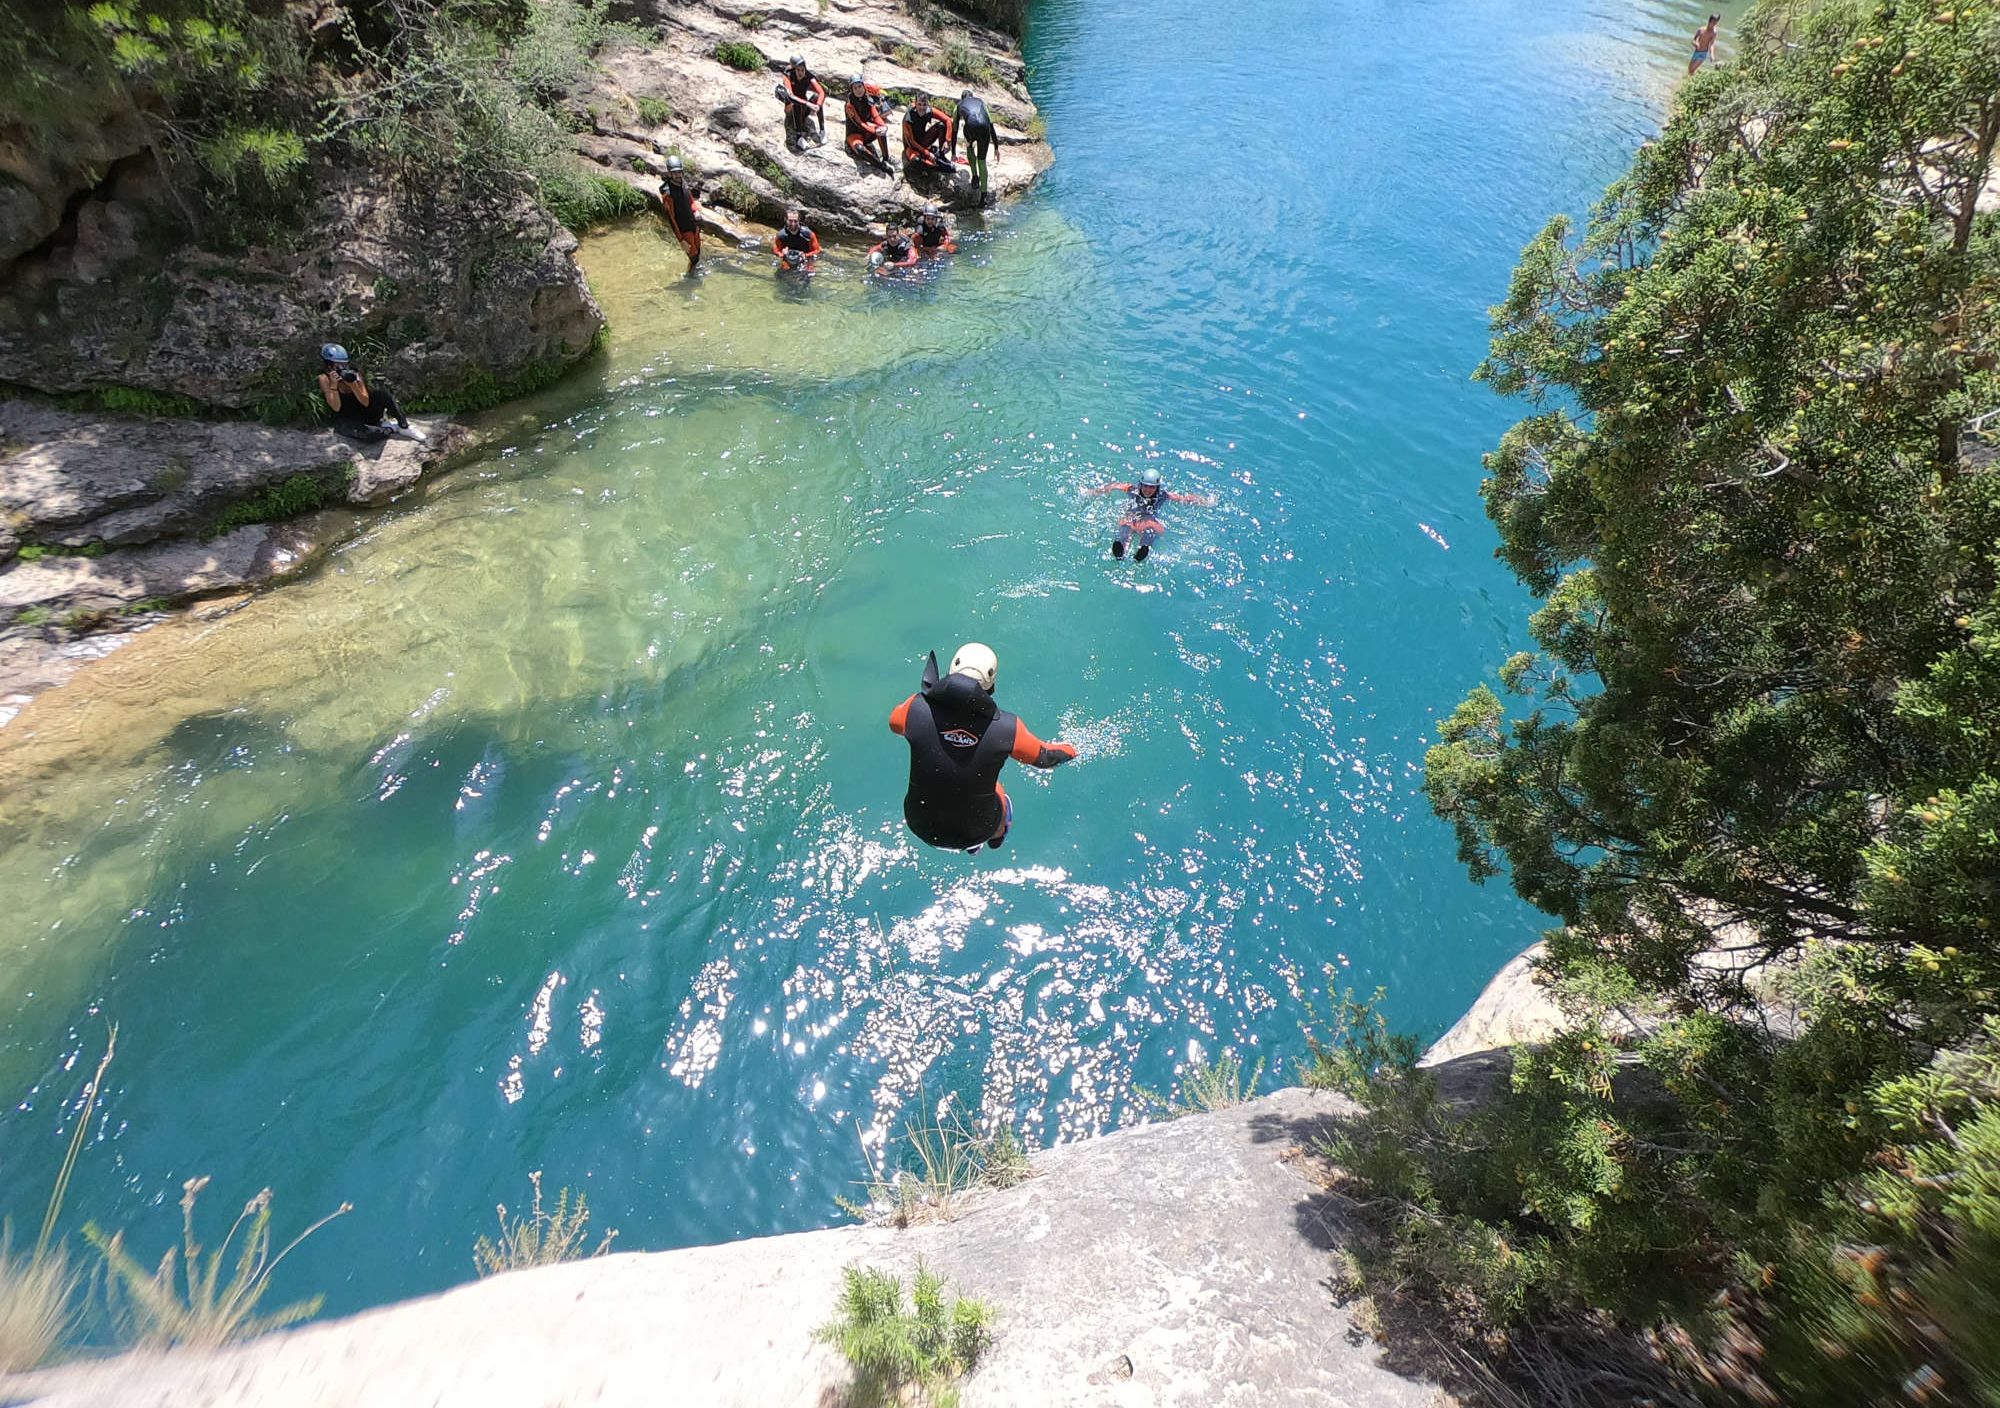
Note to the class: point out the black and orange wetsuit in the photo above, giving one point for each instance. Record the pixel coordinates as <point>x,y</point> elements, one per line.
<point>683,213</point>
<point>897,253</point>
<point>935,239</point>
<point>866,125</point>
<point>801,242</point>
<point>959,740</point>
<point>805,109</point>
<point>927,139</point>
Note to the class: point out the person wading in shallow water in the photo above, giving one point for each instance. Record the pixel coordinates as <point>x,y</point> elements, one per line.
<point>682,210</point>
<point>959,740</point>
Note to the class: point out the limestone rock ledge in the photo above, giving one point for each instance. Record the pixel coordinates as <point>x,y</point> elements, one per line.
<point>728,125</point>
<point>1180,1264</point>
<point>106,521</point>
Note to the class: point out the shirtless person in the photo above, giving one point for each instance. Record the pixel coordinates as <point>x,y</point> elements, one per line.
<point>1704,43</point>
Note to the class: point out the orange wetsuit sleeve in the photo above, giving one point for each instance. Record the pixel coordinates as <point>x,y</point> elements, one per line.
<point>815,244</point>
<point>1034,753</point>
<point>899,717</point>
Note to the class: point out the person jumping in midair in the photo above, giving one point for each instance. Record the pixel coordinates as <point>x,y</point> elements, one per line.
<point>1142,514</point>
<point>959,740</point>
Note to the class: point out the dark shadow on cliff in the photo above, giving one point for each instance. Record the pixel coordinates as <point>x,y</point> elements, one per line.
<point>1574,1362</point>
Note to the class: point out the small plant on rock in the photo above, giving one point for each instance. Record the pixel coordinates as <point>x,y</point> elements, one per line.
<point>906,1353</point>
<point>751,19</point>
<point>942,1157</point>
<point>1207,1086</point>
<point>654,112</point>
<point>543,1238</point>
<point>738,55</point>
<point>186,1300</point>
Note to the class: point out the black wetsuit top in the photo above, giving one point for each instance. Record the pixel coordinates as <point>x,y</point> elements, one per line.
<point>973,119</point>
<point>932,237</point>
<point>799,241</point>
<point>679,201</point>
<point>959,740</point>
<point>351,407</point>
<point>895,251</point>
<point>1144,506</point>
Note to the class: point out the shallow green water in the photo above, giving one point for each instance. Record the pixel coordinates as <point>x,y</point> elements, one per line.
<point>555,824</point>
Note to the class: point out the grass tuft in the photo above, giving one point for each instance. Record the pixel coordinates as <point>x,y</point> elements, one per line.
<point>941,1159</point>
<point>187,1300</point>
<point>302,493</point>
<point>905,1353</point>
<point>592,200</point>
<point>654,112</point>
<point>540,1239</point>
<point>739,55</point>
<point>33,616</point>
<point>37,1305</point>
<point>38,1291</point>
<point>1208,1085</point>
<point>751,19</point>
<point>962,61</point>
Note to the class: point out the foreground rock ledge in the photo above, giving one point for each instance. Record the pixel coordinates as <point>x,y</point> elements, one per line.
<point>1174,1264</point>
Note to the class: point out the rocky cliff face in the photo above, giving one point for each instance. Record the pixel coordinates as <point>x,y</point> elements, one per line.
<point>728,125</point>
<point>440,301</point>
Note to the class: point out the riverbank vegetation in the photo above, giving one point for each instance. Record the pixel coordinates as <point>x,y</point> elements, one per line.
<point>244,101</point>
<point>1752,766</point>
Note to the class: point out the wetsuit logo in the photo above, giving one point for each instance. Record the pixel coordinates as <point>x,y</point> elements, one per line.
<point>959,738</point>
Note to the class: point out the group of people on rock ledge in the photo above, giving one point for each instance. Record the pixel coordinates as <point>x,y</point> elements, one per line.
<point>931,135</point>
<point>930,132</point>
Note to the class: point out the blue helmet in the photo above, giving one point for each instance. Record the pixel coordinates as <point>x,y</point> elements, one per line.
<point>333,352</point>
<point>1149,478</point>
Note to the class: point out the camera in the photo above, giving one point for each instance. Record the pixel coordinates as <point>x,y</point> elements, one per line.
<point>349,374</point>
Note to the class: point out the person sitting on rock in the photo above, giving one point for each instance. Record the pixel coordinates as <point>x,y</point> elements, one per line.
<point>795,244</point>
<point>897,251</point>
<point>359,411</point>
<point>804,98</point>
<point>927,139</point>
<point>976,124</point>
<point>933,235</point>
<point>683,211</point>
<point>868,125</point>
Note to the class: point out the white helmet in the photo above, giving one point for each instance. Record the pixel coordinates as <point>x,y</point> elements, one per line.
<point>980,663</point>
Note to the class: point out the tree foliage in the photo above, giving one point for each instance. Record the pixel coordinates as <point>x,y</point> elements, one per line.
<point>1756,500</point>
<point>244,99</point>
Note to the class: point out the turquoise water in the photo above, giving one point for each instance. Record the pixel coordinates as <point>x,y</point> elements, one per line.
<point>554,823</point>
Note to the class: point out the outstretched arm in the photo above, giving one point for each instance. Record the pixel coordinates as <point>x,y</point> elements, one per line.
<point>1205,500</point>
<point>1034,753</point>
<point>1110,489</point>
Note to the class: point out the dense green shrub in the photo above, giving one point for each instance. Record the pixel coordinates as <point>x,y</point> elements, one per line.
<point>1761,705</point>
<point>592,200</point>
<point>739,55</point>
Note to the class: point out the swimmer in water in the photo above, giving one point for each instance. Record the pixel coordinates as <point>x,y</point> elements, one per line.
<point>959,740</point>
<point>1142,515</point>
